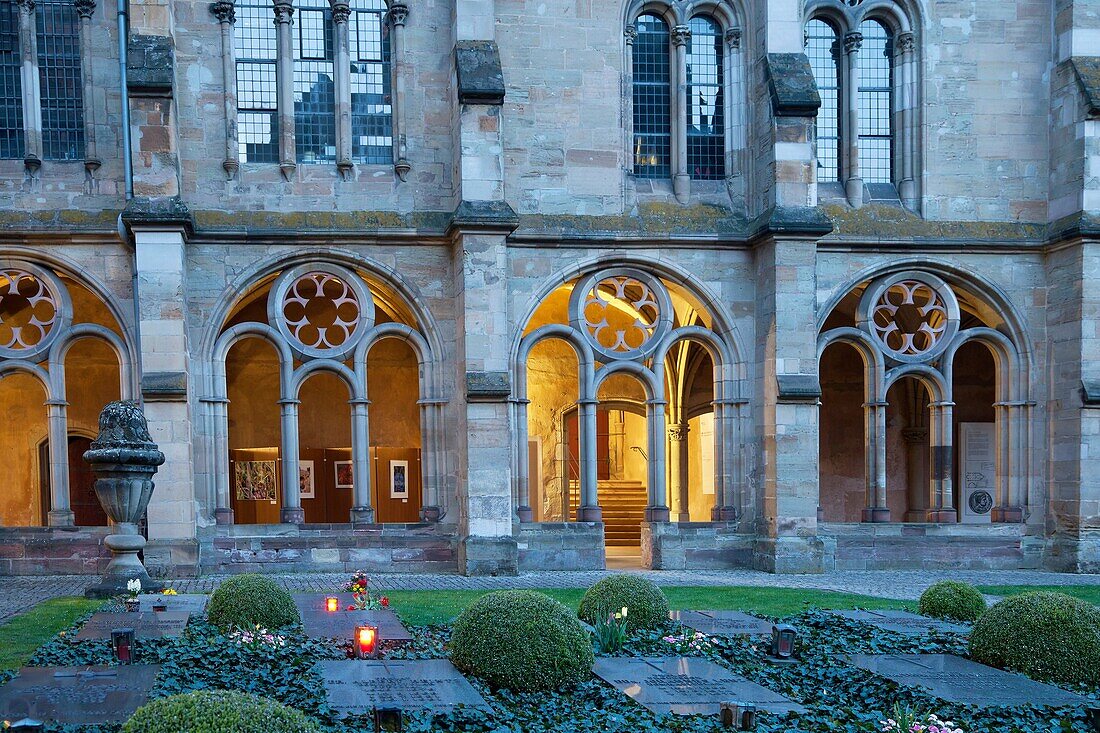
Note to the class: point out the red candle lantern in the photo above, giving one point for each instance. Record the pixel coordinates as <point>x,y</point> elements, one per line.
<point>332,603</point>
<point>122,640</point>
<point>366,642</point>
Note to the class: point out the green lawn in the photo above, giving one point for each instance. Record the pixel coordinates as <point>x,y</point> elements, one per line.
<point>1090,593</point>
<point>20,636</point>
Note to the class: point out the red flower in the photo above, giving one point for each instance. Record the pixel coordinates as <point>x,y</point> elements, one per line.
<point>351,608</point>
<point>385,602</point>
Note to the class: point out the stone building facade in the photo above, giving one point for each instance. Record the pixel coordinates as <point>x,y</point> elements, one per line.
<point>484,286</point>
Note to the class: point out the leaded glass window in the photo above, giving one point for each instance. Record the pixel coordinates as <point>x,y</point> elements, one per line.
<point>314,87</point>
<point>876,128</point>
<point>58,31</point>
<point>822,48</point>
<point>652,98</point>
<point>257,105</point>
<point>371,104</point>
<point>705,101</point>
<point>11,93</point>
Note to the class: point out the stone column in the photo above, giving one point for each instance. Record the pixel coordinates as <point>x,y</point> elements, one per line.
<point>85,10</point>
<point>853,184</point>
<point>657,511</point>
<point>941,504</point>
<point>589,510</point>
<point>284,83</point>
<point>61,515</point>
<point>291,512</point>
<point>874,431</point>
<point>630,34</point>
<point>735,107</point>
<point>397,16</point>
<point>362,510</point>
<point>679,471</point>
<point>341,12</point>
<point>32,89</point>
<point>681,179</point>
<point>907,134</point>
<point>224,11</point>
<point>1011,447</point>
<point>431,432</point>
<point>219,412</point>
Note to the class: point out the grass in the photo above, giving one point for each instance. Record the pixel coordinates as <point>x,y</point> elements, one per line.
<point>1090,593</point>
<point>440,606</point>
<point>20,636</point>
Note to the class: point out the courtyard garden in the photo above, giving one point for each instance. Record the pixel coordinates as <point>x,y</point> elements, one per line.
<point>623,656</point>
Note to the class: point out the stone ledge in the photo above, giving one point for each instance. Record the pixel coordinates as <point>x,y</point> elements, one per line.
<point>791,85</point>
<point>480,76</point>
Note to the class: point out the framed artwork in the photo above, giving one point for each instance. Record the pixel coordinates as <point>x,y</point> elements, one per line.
<point>306,480</point>
<point>399,479</point>
<point>344,475</point>
<point>255,481</point>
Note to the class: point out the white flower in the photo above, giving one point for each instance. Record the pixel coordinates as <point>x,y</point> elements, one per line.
<point>134,585</point>
<point>624,611</point>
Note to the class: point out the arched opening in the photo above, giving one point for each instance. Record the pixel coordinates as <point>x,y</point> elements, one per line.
<point>553,430</point>
<point>622,450</point>
<point>841,434</point>
<point>92,379</point>
<point>393,387</point>
<point>974,391</point>
<point>822,48</point>
<point>907,450</point>
<point>252,381</point>
<point>325,449</point>
<point>689,383</point>
<point>25,502</point>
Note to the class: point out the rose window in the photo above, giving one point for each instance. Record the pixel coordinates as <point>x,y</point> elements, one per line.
<point>910,317</point>
<point>622,313</point>
<point>28,311</point>
<point>321,311</point>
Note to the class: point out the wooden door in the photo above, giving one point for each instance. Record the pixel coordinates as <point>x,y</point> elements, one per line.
<point>87,510</point>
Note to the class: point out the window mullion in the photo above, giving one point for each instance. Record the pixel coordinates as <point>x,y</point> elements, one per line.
<point>32,88</point>
<point>284,82</point>
<point>853,185</point>
<point>341,12</point>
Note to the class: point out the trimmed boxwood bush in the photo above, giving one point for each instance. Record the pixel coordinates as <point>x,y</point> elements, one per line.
<point>247,600</point>
<point>1048,636</point>
<point>646,603</point>
<point>951,599</point>
<point>218,711</point>
<point>522,640</point>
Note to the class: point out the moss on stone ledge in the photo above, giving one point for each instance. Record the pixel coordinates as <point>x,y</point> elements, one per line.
<point>885,222</point>
<point>652,219</point>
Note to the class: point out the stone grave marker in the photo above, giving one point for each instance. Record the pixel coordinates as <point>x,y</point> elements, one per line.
<point>960,680</point>
<point>904,622</point>
<point>192,603</point>
<point>77,695</point>
<point>322,624</point>
<point>146,624</point>
<point>686,685</point>
<point>356,687</point>
<point>723,623</point>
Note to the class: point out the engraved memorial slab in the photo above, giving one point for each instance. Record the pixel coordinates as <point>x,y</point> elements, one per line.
<point>322,624</point>
<point>77,695</point>
<point>723,623</point>
<point>960,680</point>
<point>904,622</point>
<point>192,603</point>
<point>686,685</point>
<point>356,687</point>
<point>146,624</point>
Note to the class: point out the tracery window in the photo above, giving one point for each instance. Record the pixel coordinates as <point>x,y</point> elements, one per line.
<point>705,98</point>
<point>314,85</point>
<point>652,98</point>
<point>876,83</point>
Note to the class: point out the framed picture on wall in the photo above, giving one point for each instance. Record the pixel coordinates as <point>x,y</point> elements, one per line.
<point>255,480</point>
<point>399,479</point>
<point>307,485</point>
<point>344,476</point>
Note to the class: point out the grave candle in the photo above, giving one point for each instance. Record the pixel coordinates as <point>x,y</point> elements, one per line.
<point>122,641</point>
<point>783,638</point>
<point>332,603</point>
<point>366,642</point>
<point>388,719</point>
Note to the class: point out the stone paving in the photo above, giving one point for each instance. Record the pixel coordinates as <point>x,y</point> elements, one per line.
<point>20,593</point>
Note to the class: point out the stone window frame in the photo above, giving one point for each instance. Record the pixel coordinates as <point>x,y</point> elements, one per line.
<point>396,16</point>
<point>31,87</point>
<point>678,15</point>
<point>901,24</point>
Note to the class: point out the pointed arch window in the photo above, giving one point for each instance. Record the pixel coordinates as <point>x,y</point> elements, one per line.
<point>822,48</point>
<point>257,116</point>
<point>652,98</point>
<point>875,93</point>
<point>706,119</point>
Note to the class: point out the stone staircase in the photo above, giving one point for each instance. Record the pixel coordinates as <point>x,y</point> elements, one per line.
<point>623,504</point>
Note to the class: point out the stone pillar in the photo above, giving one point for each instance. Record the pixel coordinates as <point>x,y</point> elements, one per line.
<point>61,515</point>
<point>398,16</point>
<point>853,184</point>
<point>589,510</point>
<point>630,34</point>
<point>291,512</point>
<point>681,179</point>
<point>679,472</point>
<point>31,86</point>
<point>341,12</point>
<point>362,510</point>
<point>874,432</point>
<point>657,510</point>
<point>224,11</point>
<point>1012,446</point>
<point>219,411</point>
<point>941,503</point>
<point>85,10</point>
<point>736,108</point>
<point>431,432</point>
<point>906,64</point>
<point>284,83</point>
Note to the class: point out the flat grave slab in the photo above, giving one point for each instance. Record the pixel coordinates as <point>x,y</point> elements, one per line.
<point>192,603</point>
<point>723,623</point>
<point>356,687</point>
<point>960,680</point>
<point>322,624</point>
<point>686,685</point>
<point>77,695</point>
<point>904,622</point>
<point>146,624</point>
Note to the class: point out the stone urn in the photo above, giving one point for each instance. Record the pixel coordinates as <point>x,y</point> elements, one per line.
<point>124,459</point>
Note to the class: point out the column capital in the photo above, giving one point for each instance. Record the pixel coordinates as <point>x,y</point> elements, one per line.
<point>733,38</point>
<point>27,6</point>
<point>284,11</point>
<point>85,8</point>
<point>678,433</point>
<point>681,35</point>
<point>223,10</point>
<point>341,11</point>
<point>398,14</point>
<point>906,43</point>
<point>630,33</point>
<point>852,41</point>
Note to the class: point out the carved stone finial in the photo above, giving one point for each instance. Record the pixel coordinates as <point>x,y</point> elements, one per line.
<point>122,425</point>
<point>398,13</point>
<point>224,11</point>
<point>284,12</point>
<point>631,34</point>
<point>402,168</point>
<point>906,42</point>
<point>852,41</point>
<point>84,8</point>
<point>341,11</point>
<point>681,35</point>
<point>733,38</point>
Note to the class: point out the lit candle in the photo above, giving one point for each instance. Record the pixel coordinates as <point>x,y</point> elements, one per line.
<point>366,641</point>
<point>332,603</point>
<point>123,642</point>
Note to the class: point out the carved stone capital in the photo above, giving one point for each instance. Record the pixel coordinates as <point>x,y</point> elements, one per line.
<point>681,35</point>
<point>852,41</point>
<point>906,42</point>
<point>678,433</point>
<point>224,11</point>
<point>27,6</point>
<point>733,38</point>
<point>398,14</point>
<point>631,34</point>
<point>341,11</point>
<point>84,8</point>
<point>284,12</point>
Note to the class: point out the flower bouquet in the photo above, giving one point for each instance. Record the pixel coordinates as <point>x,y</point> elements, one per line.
<point>133,588</point>
<point>359,587</point>
<point>905,720</point>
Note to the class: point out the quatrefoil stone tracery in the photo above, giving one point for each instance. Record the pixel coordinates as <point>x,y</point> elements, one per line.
<point>321,311</point>
<point>622,314</point>
<point>29,310</point>
<point>910,318</point>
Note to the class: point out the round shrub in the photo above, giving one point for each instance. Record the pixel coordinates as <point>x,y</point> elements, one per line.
<point>646,604</point>
<point>218,711</point>
<point>1048,636</point>
<point>950,599</point>
<point>521,640</point>
<point>248,600</point>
